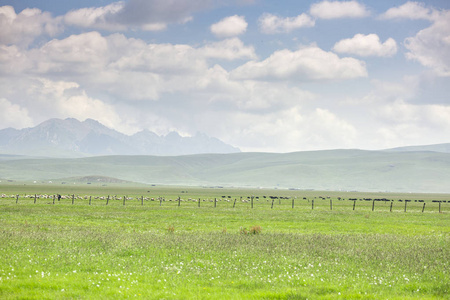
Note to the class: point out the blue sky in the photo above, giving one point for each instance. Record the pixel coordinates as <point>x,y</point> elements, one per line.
<point>261,75</point>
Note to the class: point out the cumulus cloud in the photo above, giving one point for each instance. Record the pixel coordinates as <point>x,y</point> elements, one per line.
<point>21,29</point>
<point>366,45</point>
<point>96,17</point>
<point>270,24</point>
<point>229,49</point>
<point>64,99</point>
<point>13,115</point>
<point>292,129</point>
<point>150,15</point>
<point>305,64</point>
<point>91,52</point>
<point>338,9</point>
<point>431,46</point>
<point>406,122</point>
<point>13,60</point>
<point>122,67</point>
<point>155,11</point>
<point>251,96</point>
<point>409,10</point>
<point>76,53</point>
<point>229,26</point>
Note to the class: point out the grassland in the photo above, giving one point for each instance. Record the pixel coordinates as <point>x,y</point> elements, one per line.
<point>172,249</point>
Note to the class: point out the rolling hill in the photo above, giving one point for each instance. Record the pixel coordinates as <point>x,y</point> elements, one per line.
<point>394,171</point>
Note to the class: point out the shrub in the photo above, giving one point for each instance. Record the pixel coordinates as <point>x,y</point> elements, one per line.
<point>171,229</point>
<point>256,229</point>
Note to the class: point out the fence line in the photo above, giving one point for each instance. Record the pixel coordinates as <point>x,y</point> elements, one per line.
<point>254,201</point>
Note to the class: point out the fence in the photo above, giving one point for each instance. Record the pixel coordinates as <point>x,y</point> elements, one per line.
<point>251,202</point>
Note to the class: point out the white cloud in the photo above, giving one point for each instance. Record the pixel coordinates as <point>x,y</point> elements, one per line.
<point>164,59</point>
<point>291,130</point>
<point>251,96</point>
<point>21,29</point>
<point>90,52</point>
<point>123,67</point>
<point>149,15</point>
<point>96,17</point>
<point>229,49</point>
<point>366,45</point>
<point>431,46</point>
<point>13,115</point>
<point>270,24</point>
<point>13,60</point>
<point>229,26</point>
<point>81,53</point>
<point>64,99</point>
<point>405,123</point>
<point>338,9</point>
<point>409,10</point>
<point>305,64</point>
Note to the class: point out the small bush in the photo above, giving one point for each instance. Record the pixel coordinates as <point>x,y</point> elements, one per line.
<point>253,230</point>
<point>171,229</point>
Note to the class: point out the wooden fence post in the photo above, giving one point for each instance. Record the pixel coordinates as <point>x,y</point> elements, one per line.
<point>73,198</point>
<point>392,202</point>
<point>199,202</point>
<point>160,201</point>
<point>354,204</point>
<point>34,198</point>
<point>142,200</point>
<point>215,202</point>
<point>234,204</point>
<point>123,200</point>
<point>406,202</point>
<point>439,206</point>
<point>272,203</point>
<point>423,208</point>
<point>312,204</point>
<point>17,199</point>
<point>53,199</point>
<point>292,203</point>
<point>107,200</point>
<point>179,201</point>
<point>331,204</point>
<point>252,201</point>
<point>373,204</point>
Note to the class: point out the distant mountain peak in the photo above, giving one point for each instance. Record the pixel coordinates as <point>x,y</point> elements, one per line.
<point>72,138</point>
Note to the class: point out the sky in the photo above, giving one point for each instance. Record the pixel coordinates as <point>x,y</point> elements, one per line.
<point>268,76</point>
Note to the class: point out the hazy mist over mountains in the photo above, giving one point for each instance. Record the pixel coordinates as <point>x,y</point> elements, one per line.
<point>72,138</point>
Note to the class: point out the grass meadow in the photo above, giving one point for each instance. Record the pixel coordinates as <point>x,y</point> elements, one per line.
<point>222,248</point>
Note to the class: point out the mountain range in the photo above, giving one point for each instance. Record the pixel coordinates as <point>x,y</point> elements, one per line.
<point>72,138</point>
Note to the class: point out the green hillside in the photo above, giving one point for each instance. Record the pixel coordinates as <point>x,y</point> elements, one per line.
<point>320,170</point>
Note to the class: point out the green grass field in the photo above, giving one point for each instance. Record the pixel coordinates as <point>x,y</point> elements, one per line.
<point>177,250</point>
